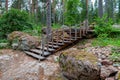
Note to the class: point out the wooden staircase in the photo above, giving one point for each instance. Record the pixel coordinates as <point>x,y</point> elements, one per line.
<point>45,49</point>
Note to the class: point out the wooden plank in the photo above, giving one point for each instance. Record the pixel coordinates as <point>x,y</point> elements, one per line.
<point>55,43</point>
<point>54,46</point>
<point>64,41</point>
<point>34,55</point>
<point>45,48</point>
<point>40,52</point>
<point>61,41</point>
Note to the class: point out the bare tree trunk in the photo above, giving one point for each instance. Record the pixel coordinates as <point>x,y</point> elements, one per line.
<point>48,19</point>
<point>63,4</point>
<point>100,8</point>
<point>86,9</point>
<point>33,7</point>
<point>19,4</point>
<point>37,10</point>
<point>53,11</point>
<point>119,9</point>
<point>0,4</point>
<point>86,21</point>
<point>6,5</point>
<point>112,8</point>
<point>106,8</point>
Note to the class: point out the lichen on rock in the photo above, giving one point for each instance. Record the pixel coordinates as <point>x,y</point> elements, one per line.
<point>79,65</point>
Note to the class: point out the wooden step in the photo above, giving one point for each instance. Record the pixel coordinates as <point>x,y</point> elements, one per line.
<point>54,46</point>
<point>69,39</point>
<point>76,37</point>
<point>65,41</point>
<point>60,41</point>
<point>55,43</point>
<point>45,53</point>
<point>35,55</point>
<point>45,48</point>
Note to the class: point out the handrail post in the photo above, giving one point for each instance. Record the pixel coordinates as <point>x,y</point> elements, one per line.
<point>52,38</point>
<point>47,39</point>
<point>63,36</point>
<point>75,33</point>
<point>42,45</point>
<point>70,34</point>
<point>57,36</point>
<point>80,33</point>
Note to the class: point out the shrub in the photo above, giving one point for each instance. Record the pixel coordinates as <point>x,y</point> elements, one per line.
<point>13,20</point>
<point>104,26</point>
<point>36,31</point>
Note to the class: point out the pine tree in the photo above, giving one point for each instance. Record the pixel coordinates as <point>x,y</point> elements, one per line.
<point>100,8</point>
<point>48,19</point>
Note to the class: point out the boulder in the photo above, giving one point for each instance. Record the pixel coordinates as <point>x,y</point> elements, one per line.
<point>118,76</point>
<point>108,72</point>
<point>22,41</point>
<point>79,65</point>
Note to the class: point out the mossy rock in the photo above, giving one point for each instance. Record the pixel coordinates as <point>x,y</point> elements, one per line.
<point>118,76</point>
<point>79,65</point>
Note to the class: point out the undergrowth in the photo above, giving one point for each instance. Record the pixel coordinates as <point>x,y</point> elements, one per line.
<point>106,41</point>
<point>115,56</point>
<point>106,34</point>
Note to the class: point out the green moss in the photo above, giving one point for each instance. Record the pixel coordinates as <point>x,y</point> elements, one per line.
<point>81,55</point>
<point>118,76</point>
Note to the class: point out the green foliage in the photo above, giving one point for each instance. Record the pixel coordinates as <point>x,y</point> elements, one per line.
<point>106,41</point>
<point>56,26</point>
<point>3,43</point>
<point>13,20</point>
<point>36,31</point>
<point>72,14</point>
<point>3,40</point>
<point>115,56</point>
<point>103,26</point>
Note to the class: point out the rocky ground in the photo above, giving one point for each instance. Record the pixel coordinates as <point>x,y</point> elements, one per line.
<point>15,65</point>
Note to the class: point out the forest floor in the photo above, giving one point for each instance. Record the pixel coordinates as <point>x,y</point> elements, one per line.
<point>15,65</point>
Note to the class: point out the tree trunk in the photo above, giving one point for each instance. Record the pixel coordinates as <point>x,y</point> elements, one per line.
<point>6,5</point>
<point>86,21</point>
<point>112,8</point>
<point>53,11</point>
<point>100,8</point>
<point>106,6</point>
<point>19,4</point>
<point>48,19</point>
<point>119,10</point>
<point>33,7</point>
<point>36,10</point>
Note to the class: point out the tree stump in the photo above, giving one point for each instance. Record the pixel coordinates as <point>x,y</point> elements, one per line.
<point>79,65</point>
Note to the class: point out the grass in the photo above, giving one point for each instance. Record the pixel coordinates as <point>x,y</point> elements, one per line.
<point>115,56</point>
<point>106,42</point>
<point>56,26</point>
<point>114,41</point>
